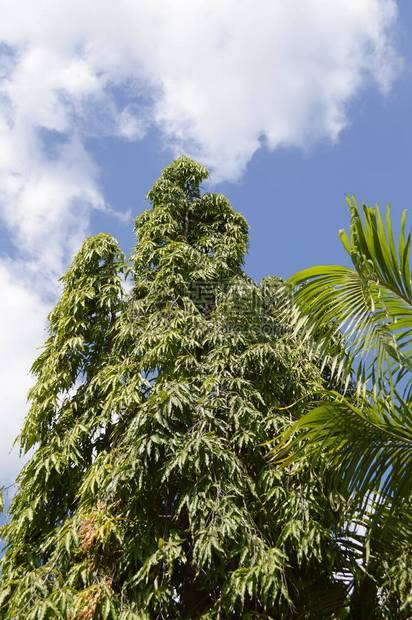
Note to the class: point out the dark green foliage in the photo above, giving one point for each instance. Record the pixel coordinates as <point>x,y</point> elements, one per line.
<point>149,493</point>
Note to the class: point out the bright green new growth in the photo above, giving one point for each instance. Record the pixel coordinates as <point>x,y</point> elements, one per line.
<point>149,494</point>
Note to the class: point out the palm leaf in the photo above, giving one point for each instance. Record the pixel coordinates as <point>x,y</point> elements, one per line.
<point>368,448</point>
<point>368,442</point>
<point>370,304</point>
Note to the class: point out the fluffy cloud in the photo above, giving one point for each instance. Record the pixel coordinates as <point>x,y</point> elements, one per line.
<point>218,78</point>
<point>21,334</point>
<point>44,201</point>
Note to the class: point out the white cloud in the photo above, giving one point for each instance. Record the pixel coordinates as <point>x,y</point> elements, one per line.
<point>45,201</point>
<point>21,333</point>
<point>218,78</point>
<point>129,125</point>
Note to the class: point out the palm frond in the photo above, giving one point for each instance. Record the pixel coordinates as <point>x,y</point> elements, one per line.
<point>368,447</point>
<point>369,305</point>
<point>367,441</point>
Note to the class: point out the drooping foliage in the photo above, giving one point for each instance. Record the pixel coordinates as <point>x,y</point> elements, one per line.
<point>149,493</point>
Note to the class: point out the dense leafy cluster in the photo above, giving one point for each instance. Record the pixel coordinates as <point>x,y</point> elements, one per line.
<point>149,493</point>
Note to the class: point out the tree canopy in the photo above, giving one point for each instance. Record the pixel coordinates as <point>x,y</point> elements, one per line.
<point>149,493</point>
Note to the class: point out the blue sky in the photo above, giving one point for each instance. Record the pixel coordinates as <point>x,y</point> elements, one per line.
<point>292,108</point>
<point>293,200</point>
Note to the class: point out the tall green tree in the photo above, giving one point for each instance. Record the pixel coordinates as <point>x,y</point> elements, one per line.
<point>149,493</point>
<point>367,439</point>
